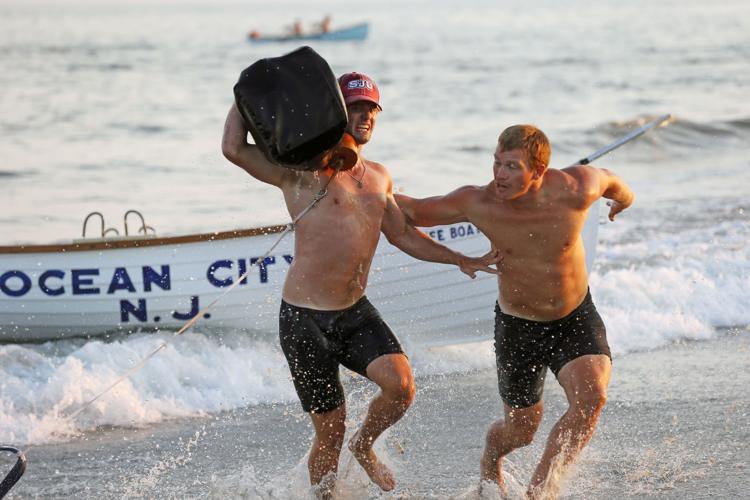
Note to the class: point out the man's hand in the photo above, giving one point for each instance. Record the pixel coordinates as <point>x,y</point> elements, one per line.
<point>615,190</point>
<point>470,265</point>
<point>615,207</point>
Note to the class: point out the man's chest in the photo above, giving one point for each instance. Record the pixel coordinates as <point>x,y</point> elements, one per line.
<point>340,201</point>
<point>539,231</point>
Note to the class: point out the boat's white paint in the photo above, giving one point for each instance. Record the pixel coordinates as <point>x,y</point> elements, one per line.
<point>422,302</point>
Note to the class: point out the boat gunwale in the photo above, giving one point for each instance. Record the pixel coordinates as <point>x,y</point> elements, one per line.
<point>83,246</point>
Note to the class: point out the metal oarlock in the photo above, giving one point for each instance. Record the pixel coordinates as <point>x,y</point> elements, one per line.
<point>15,473</point>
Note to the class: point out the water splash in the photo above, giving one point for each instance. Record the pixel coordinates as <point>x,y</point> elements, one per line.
<point>146,484</point>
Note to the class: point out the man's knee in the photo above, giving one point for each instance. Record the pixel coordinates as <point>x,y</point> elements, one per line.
<point>590,404</point>
<point>401,389</point>
<point>512,434</point>
<point>585,381</point>
<point>393,374</point>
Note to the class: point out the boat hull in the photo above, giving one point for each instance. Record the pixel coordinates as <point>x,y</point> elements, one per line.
<point>357,32</point>
<point>161,285</point>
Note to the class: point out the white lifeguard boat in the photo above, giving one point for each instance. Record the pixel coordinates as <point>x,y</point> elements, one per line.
<point>121,284</point>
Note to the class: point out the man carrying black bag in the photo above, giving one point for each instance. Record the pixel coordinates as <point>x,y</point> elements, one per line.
<point>325,319</point>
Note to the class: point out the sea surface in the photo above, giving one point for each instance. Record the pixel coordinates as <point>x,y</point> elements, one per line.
<point>113,105</point>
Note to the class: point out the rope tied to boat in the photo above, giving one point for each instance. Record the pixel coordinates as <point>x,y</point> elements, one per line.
<point>321,194</point>
<point>20,467</point>
<point>289,228</point>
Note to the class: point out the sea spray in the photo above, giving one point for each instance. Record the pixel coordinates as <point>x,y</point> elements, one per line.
<point>351,482</point>
<point>146,484</point>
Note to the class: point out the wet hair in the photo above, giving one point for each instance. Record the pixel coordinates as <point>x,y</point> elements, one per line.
<point>528,138</point>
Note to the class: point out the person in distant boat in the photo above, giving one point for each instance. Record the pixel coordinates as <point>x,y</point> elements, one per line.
<point>544,315</point>
<point>325,319</point>
<point>296,28</point>
<point>325,25</point>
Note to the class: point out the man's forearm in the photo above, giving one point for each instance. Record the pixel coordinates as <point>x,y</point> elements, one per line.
<point>236,149</point>
<point>235,134</point>
<point>428,212</point>
<point>619,191</point>
<point>621,195</point>
<point>420,246</point>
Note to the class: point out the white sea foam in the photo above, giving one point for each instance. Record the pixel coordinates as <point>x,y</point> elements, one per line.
<point>194,375</point>
<point>680,283</point>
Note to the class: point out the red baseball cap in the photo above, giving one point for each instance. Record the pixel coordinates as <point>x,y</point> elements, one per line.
<point>359,87</point>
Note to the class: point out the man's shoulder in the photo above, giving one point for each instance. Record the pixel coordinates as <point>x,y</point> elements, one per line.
<point>375,170</point>
<point>376,167</point>
<point>467,198</point>
<point>471,193</point>
<point>577,183</point>
<point>473,189</point>
<point>573,178</point>
<point>578,173</point>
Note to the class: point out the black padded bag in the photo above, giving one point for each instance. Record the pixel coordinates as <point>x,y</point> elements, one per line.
<point>292,106</point>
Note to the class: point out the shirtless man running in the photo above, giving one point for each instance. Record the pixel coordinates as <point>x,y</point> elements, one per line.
<point>544,316</point>
<point>325,318</point>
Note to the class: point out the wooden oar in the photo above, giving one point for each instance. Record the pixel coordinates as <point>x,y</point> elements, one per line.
<point>622,140</point>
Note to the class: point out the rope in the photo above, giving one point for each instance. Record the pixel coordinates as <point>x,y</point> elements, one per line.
<point>289,228</point>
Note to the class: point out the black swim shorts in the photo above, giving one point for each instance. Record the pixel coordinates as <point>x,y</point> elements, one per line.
<point>524,349</point>
<point>316,342</point>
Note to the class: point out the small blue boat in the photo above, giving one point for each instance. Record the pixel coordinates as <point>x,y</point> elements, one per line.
<point>356,32</point>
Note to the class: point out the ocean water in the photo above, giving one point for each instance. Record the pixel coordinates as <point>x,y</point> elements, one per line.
<point>116,105</point>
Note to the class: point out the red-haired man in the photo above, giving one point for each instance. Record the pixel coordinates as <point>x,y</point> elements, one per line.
<point>544,316</point>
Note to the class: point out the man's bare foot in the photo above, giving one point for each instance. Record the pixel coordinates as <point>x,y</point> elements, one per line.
<point>491,470</point>
<point>376,470</point>
<point>490,490</point>
<point>537,492</point>
<point>324,489</point>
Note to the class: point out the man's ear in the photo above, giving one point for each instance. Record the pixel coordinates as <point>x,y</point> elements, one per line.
<point>539,169</point>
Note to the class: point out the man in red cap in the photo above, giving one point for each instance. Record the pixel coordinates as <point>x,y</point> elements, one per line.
<point>358,87</point>
<point>325,319</point>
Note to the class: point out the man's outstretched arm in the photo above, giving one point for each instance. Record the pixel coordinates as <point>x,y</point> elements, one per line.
<point>410,240</point>
<point>248,156</point>
<point>436,210</point>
